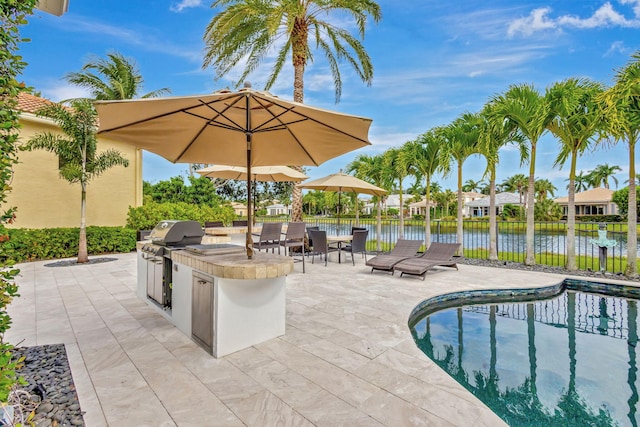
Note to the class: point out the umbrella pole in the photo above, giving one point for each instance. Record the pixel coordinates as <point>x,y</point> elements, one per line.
<point>339,198</point>
<point>249,239</point>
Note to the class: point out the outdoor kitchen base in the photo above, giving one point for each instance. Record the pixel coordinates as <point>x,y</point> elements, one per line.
<point>226,303</point>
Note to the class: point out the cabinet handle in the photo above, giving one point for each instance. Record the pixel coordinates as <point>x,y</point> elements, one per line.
<point>202,282</point>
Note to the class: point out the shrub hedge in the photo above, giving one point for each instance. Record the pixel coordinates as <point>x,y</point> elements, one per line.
<point>52,243</point>
<point>147,216</point>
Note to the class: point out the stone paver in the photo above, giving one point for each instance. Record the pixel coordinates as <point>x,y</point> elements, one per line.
<point>347,357</point>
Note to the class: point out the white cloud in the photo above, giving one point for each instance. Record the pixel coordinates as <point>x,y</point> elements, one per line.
<point>536,21</point>
<point>605,16</point>
<point>144,40</point>
<point>185,4</point>
<point>65,91</point>
<point>616,47</point>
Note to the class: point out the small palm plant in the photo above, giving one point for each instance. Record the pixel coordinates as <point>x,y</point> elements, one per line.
<point>77,152</point>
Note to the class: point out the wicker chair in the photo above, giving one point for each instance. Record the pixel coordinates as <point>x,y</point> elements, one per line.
<point>269,237</point>
<point>294,238</point>
<point>320,246</point>
<point>358,244</point>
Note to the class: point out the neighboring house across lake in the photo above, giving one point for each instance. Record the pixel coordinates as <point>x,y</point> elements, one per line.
<point>420,208</point>
<point>480,207</point>
<point>44,200</point>
<point>240,209</point>
<point>596,201</point>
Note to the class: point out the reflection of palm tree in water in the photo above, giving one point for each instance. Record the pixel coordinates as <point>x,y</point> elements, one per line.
<point>632,318</point>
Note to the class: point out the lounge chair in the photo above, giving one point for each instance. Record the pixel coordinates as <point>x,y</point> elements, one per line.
<point>404,249</point>
<point>438,255</point>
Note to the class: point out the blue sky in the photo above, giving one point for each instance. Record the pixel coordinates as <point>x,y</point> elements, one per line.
<point>434,60</point>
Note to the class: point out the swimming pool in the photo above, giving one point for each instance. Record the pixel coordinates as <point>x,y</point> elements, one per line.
<point>558,356</point>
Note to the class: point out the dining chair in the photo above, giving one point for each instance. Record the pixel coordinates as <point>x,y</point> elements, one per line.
<point>239,223</point>
<point>320,246</point>
<point>309,239</point>
<point>294,238</point>
<point>358,245</point>
<point>269,237</point>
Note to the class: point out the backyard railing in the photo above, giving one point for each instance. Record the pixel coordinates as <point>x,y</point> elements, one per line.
<point>549,239</point>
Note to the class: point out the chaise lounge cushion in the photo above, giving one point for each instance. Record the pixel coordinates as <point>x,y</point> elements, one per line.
<point>403,249</point>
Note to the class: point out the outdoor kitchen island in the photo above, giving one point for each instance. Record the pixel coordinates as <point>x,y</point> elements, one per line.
<point>227,302</point>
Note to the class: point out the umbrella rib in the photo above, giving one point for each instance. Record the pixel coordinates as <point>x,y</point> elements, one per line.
<point>208,122</point>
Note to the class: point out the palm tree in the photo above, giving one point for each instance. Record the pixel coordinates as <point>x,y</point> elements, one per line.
<point>77,151</point>
<point>246,31</point>
<point>622,104</point>
<point>493,136</point>
<point>398,167</point>
<point>372,170</point>
<point>516,183</point>
<point>544,188</point>
<point>528,110</point>
<point>581,182</point>
<point>473,186</point>
<point>600,175</point>
<point>115,77</point>
<point>424,153</point>
<point>576,121</point>
<point>460,141</point>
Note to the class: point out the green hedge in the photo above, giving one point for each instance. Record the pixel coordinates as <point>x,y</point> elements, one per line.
<point>147,216</point>
<point>51,243</point>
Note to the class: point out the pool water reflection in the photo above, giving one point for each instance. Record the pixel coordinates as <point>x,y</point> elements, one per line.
<point>569,360</point>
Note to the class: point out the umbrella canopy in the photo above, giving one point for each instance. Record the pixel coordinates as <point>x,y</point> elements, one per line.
<point>342,182</point>
<point>243,128</point>
<point>258,173</point>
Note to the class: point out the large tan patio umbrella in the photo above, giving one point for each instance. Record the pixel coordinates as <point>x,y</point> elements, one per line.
<point>342,182</point>
<point>258,173</point>
<point>243,128</point>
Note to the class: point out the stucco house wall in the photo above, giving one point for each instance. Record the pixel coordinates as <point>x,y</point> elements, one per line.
<point>44,200</point>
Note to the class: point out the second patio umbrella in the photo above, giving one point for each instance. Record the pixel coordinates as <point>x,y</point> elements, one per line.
<point>258,173</point>
<point>342,182</point>
<point>243,128</point>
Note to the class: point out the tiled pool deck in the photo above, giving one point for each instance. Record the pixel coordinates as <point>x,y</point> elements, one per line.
<point>347,357</point>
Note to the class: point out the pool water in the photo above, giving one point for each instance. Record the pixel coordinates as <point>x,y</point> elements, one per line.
<point>566,361</point>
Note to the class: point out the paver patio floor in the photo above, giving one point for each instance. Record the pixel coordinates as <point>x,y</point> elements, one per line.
<point>347,357</point>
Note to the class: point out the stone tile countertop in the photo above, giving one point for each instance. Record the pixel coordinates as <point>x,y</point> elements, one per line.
<point>237,266</point>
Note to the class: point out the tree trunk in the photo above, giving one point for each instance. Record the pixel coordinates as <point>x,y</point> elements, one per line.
<point>571,216</point>
<point>298,96</point>
<point>531,257</point>
<point>83,256</point>
<point>459,225</point>
<point>427,215</point>
<point>632,212</point>
<point>401,223</point>
<point>493,225</point>
<point>379,225</point>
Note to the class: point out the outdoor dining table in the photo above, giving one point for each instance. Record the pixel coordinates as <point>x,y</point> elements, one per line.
<point>347,238</point>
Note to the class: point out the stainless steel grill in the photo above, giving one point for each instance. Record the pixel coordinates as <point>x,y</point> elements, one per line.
<point>166,237</point>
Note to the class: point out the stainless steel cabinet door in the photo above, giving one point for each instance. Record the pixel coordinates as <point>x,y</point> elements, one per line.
<point>202,311</point>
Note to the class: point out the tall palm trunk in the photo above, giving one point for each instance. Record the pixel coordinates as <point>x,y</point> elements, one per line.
<point>427,214</point>
<point>459,222</point>
<point>401,225</point>
<point>493,224</point>
<point>298,96</point>
<point>571,216</point>
<point>531,258</point>
<point>632,211</point>
<point>379,226</point>
<point>83,255</point>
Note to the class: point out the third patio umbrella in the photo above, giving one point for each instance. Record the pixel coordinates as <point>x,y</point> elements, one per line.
<point>243,128</point>
<point>341,182</point>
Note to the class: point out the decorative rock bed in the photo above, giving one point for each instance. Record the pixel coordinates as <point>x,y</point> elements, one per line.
<point>46,370</point>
